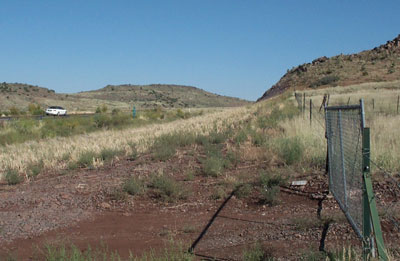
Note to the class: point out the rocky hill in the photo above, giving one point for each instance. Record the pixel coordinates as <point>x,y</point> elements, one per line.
<point>379,64</point>
<point>164,95</point>
<point>18,95</point>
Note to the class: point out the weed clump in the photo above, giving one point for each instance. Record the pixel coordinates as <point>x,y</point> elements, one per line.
<point>166,188</point>
<point>165,146</point>
<point>243,191</point>
<point>86,159</point>
<point>133,186</point>
<point>12,177</point>
<point>257,253</point>
<point>109,154</point>
<point>35,169</point>
<point>213,166</point>
<point>290,150</point>
<point>269,187</point>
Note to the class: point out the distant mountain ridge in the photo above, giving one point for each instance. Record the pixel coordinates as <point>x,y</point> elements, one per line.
<point>123,97</point>
<point>379,64</point>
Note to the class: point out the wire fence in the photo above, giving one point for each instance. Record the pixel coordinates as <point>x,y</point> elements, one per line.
<point>344,135</point>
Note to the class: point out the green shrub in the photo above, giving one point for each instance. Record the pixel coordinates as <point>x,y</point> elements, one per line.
<point>257,253</point>
<point>166,189</point>
<point>35,169</point>
<point>109,154</point>
<point>232,157</point>
<point>115,111</point>
<point>165,146</point>
<point>102,120</point>
<point>269,195</point>
<point>218,193</point>
<point>270,187</point>
<point>267,179</point>
<point>117,194</point>
<point>35,109</point>
<point>329,79</point>
<point>241,137</point>
<point>180,114</point>
<point>243,190</point>
<point>216,137</point>
<point>85,159</point>
<point>12,177</point>
<point>133,186</point>
<point>213,166</point>
<point>290,150</point>
<point>258,139</point>
<point>14,111</point>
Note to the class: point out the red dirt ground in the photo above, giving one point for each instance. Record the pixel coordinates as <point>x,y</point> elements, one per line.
<point>78,207</point>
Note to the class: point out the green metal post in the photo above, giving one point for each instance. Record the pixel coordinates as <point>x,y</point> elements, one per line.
<point>369,206</point>
<point>367,241</point>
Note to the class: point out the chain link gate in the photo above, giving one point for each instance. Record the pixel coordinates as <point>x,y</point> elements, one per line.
<point>349,173</point>
<point>344,126</point>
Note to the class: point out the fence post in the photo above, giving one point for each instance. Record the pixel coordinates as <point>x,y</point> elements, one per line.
<point>373,104</point>
<point>370,211</point>
<point>348,101</point>
<point>398,102</point>
<point>310,112</point>
<point>367,240</point>
<point>304,104</point>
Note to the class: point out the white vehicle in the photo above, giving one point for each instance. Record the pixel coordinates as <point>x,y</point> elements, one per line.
<point>56,111</point>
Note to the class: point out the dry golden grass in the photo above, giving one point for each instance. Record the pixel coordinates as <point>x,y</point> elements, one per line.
<point>384,126</point>
<point>378,96</point>
<point>53,151</point>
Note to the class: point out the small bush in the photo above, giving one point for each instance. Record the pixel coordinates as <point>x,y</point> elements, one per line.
<point>218,193</point>
<point>166,189</point>
<point>267,179</point>
<point>133,186</point>
<point>102,120</point>
<point>240,137</point>
<point>243,191</point>
<point>329,79</point>
<point>290,150</point>
<point>35,169</point>
<point>213,166</point>
<point>269,195</point>
<point>270,187</point>
<point>12,177</point>
<point>216,137</point>
<point>109,154</point>
<point>165,146</point>
<point>86,159</point>
<point>257,253</point>
<point>258,139</point>
<point>117,194</point>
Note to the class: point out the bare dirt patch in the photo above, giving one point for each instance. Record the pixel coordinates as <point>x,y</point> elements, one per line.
<point>79,207</point>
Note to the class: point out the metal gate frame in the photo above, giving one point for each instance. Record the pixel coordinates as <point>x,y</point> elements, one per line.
<point>371,229</point>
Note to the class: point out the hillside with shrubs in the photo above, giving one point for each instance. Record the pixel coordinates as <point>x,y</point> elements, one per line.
<point>380,64</point>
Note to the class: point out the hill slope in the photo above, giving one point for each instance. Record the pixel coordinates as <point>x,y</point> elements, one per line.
<point>165,95</point>
<point>122,97</point>
<point>379,64</point>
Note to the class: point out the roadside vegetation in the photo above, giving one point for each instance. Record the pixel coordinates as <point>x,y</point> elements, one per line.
<point>27,129</point>
<point>273,135</point>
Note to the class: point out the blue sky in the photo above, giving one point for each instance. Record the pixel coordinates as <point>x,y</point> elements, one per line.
<point>234,48</point>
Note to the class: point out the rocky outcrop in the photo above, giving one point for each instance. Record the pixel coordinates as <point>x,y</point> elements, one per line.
<point>379,64</point>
